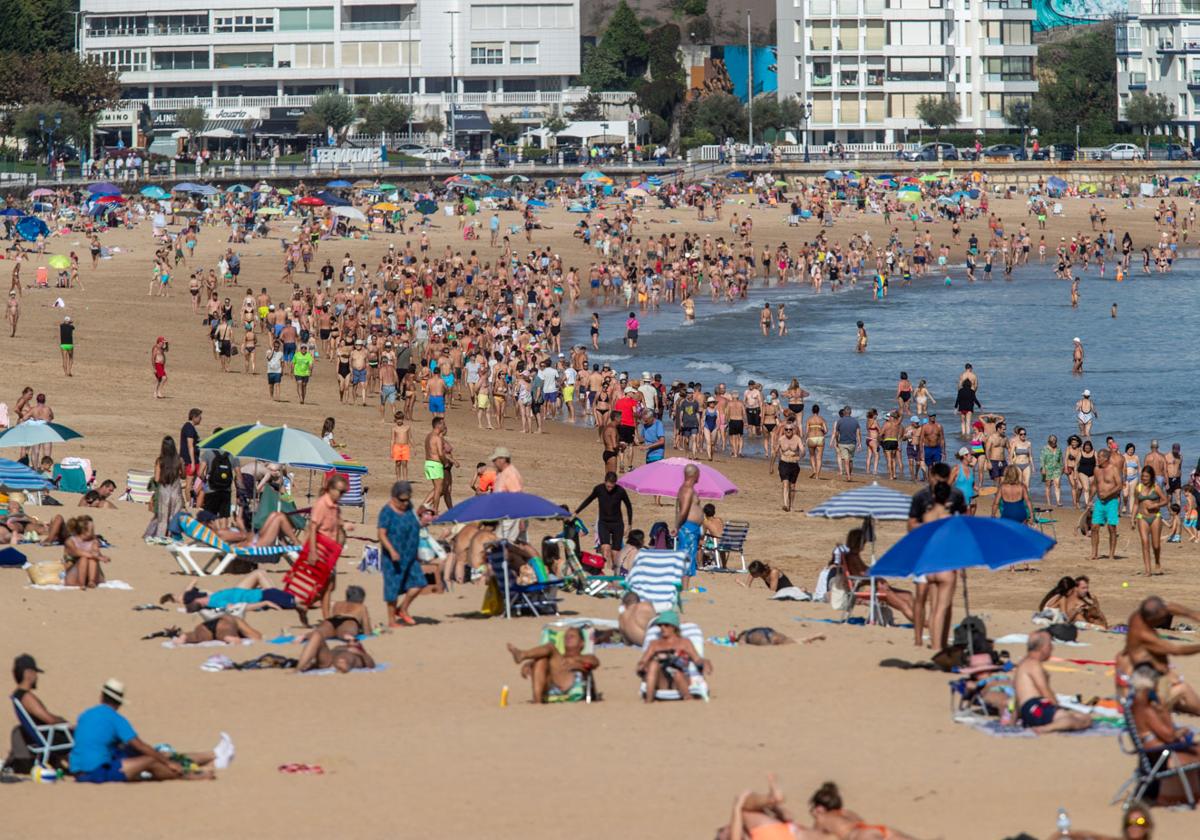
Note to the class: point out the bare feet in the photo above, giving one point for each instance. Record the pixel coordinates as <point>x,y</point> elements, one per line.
<point>516,653</point>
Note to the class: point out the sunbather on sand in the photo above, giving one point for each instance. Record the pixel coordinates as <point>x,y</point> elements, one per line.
<point>253,592</point>
<point>1143,644</point>
<point>343,658</point>
<point>635,616</point>
<point>82,555</point>
<point>830,816</point>
<point>1035,699</point>
<point>762,816</point>
<point>762,636</point>
<point>555,674</point>
<point>1158,732</point>
<point>227,628</point>
<point>277,524</point>
<point>664,664</point>
<point>348,619</point>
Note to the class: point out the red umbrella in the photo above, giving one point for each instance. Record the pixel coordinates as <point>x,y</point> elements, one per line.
<point>110,199</point>
<point>311,201</point>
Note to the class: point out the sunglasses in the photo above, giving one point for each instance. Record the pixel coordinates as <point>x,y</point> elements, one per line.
<point>405,499</point>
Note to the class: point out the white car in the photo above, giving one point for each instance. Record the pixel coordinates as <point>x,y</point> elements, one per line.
<point>437,154</point>
<point>409,148</point>
<point>1121,151</point>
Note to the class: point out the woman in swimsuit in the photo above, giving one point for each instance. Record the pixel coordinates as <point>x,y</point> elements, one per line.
<point>903,393</point>
<point>963,477</point>
<point>924,398</point>
<point>1085,471</point>
<point>710,425</point>
<point>763,817</point>
<point>1132,470</point>
<point>1149,499</point>
<point>795,398</point>
<point>1012,497</point>
<point>82,555</point>
<point>830,816</point>
<point>600,404</point>
<point>770,419</point>
<point>814,439</point>
<point>773,578</point>
<point>873,442</point>
<point>1020,455</point>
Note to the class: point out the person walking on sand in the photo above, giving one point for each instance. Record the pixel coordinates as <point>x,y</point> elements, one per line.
<point>158,360</point>
<point>401,446</point>
<point>12,312</point>
<point>66,343</point>
<point>1106,502</point>
<point>689,516</point>
<point>400,537</point>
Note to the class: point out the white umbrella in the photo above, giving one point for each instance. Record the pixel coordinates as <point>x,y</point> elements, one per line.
<point>219,133</point>
<point>350,213</point>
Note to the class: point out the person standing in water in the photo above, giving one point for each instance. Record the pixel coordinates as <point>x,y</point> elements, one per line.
<point>764,320</point>
<point>862,338</point>
<point>1077,358</point>
<point>1085,413</point>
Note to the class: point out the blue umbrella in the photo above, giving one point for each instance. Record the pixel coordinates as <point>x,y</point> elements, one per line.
<point>154,191</point>
<point>16,476</point>
<point>205,189</point>
<point>962,542</point>
<point>738,176</point>
<point>12,211</point>
<point>1055,183</point>
<point>1179,179</point>
<point>534,202</point>
<point>339,184</point>
<point>655,180</point>
<point>498,193</point>
<point>104,189</point>
<point>333,200</point>
<point>496,506</point>
<point>186,186</point>
<point>873,500</point>
<point>833,175</point>
<point>238,188</point>
<point>30,228</point>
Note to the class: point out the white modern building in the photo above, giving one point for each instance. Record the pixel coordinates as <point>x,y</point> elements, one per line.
<point>264,64</point>
<point>864,64</point>
<point>1158,52</point>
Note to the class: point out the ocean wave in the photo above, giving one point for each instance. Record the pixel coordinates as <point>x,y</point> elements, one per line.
<point>608,357</point>
<point>719,367</point>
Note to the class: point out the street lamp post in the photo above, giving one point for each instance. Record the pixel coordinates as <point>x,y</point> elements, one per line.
<point>806,114</point>
<point>48,130</point>
<point>453,79</point>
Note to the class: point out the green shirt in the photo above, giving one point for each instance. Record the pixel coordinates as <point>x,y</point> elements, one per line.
<point>302,364</point>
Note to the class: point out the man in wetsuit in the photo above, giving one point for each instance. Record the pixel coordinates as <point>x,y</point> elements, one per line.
<point>610,527</point>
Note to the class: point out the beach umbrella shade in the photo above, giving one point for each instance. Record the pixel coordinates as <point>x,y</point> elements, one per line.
<point>833,175</point>
<point>781,183</point>
<point>35,433</point>
<point>469,205</point>
<point>363,182</point>
<point>280,444</point>
<point>962,542</point>
<point>110,199</point>
<point>655,180</point>
<point>910,196</point>
<point>269,211</point>
<point>154,191</point>
<point>387,206</point>
<point>499,194</point>
<point>943,174</point>
<point>350,213</point>
<point>1055,183</point>
<point>516,179</point>
<point>218,440</point>
<point>30,228</point>
<point>388,187</point>
<point>496,506</point>
<point>16,476</point>
<point>927,178</point>
<point>12,211</point>
<point>738,176</point>
<point>487,179</point>
<point>310,201</point>
<point>947,201</point>
<point>593,175</point>
<point>186,186</point>
<point>59,261</point>
<point>339,184</point>
<point>284,191</point>
<point>665,477</point>
<point>238,188</point>
<point>41,191</point>
<point>1179,179</point>
<point>332,199</point>
<point>534,202</point>
<point>426,206</point>
<point>636,192</point>
<point>205,189</point>
<point>188,211</point>
<point>872,501</point>
<point>104,188</point>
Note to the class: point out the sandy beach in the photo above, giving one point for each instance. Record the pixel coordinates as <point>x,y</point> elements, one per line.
<point>424,748</point>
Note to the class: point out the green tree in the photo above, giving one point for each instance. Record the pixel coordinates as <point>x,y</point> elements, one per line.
<point>937,112</point>
<point>1077,85</point>
<point>20,26</point>
<point>602,69</point>
<point>506,129</point>
<point>1019,114</point>
<point>192,121</point>
<point>330,111</point>
<point>660,129</point>
<point>85,83</point>
<point>434,125</point>
<point>589,108</point>
<point>554,124</point>
<point>1148,112</point>
<point>626,39</point>
<point>693,8</point>
<point>720,115</point>
<point>386,115</point>
<point>30,123</point>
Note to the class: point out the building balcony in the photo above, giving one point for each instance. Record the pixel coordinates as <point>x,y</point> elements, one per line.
<point>571,96</point>
<point>1179,47</point>
<point>1163,9</point>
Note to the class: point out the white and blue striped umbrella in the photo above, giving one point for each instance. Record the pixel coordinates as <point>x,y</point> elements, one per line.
<point>16,476</point>
<point>873,500</point>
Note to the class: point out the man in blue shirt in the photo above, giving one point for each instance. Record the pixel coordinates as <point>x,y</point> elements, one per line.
<point>653,437</point>
<point>107,749</point>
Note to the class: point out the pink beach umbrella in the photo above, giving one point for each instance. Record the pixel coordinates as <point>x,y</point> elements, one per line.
<point>664,478</point>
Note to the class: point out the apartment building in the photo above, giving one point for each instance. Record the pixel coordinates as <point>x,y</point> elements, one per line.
<point>863,65</point>
<point>1158,51</point>
<point>266,63</point>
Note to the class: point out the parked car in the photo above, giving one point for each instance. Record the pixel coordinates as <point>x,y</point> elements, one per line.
<point>1171,151</point>
<point>437,154</point>
<point>1005,150</point>
<point>409,148</point>
<point>1062,151</point>
<point>1121,151</point>
<point>930,152</point>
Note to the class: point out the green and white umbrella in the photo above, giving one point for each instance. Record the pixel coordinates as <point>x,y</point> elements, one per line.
<point>37,432</point>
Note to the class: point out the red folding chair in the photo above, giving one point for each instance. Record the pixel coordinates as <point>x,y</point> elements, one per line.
<point>308,577</point>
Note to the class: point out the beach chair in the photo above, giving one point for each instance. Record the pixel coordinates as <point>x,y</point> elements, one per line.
<point>552,634</point>
<point>1151,767</point>
<point>539,598</point>
<point>355,495</point>
<point>69,479</point>
<point>189,556</point>
<point>732,541</point>
<point>309,575</point>
<point>877,612</point>
<point>1043,517</point>
<point>697,685</point>
<point>43,739</point>
<point>657,577</point>
<point>137,486</point>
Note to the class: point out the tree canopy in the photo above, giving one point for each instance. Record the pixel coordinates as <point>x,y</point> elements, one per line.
<point>330,111</point>
<point>937,112</point>
<point>385,115</point>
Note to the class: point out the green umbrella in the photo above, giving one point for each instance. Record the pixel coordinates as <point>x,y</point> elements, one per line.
<point>218,440</point>
<point>927,178</point>
<point>516,179</point>
<point>910,196</point>
<point>469,205</point>
<point>426,206</point>
<point>388,187</point>
<point>36,432</point>
<point>60,261</point>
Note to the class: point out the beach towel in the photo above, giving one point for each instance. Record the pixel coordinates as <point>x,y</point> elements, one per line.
<point>791,593</point>
<point>325,672</point>
<point>1022,638</point>
<point>58,587</point>
<point>174,644</point>
<point>998,730</point>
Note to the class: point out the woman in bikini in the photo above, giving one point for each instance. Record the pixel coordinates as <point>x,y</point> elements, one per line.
<point>770,419</point>
<point>830,816</point>
<point>1148,501</point>
<point>794,395</point>
<point>815,430</point>
<point>1132,470</point>
<point>82,555</point>
<point>924,398</point>
<point>764,817</point>
<point>1020,455</point>
<point>904,393</point>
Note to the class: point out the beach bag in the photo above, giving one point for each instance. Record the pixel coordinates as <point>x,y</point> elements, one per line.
<point>841,599</point>
<point>1063,632</point>
<point>47,572</point>
<point>592,562</point>
<point>493,604</point>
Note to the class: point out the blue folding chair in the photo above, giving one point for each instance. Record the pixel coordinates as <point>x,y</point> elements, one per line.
<point>43,739</point>
<point>538,598</point>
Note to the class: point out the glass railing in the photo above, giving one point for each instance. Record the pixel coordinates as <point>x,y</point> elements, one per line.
<point>381,24</point>
<point>822,81</point>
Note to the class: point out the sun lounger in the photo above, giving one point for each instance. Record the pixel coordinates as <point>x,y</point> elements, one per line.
<point>697,685</point>
<point>657,577</point>
<point>69,479</point>
<point>189,556</point>
<point>1152,766</point>
<point>355,495</point>
<point>43,739</point>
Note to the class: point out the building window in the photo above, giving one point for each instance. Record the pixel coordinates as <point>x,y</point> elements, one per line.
<point>180,24</point>
<point>315,18</point>
<point>235,57</point>
<point>250,22</point>
<point>916,69</point>
<point>822,74</point>
<point>916,33</point>
<point>557,16</point>
<point>124,61</point>
<point>849,78</point>
<point>489,53</point>
<point>308,56</point>
<point>377,53</point>
<point>116,26</point>
<point>1009,69</point>
<point>874,77</point>
<point>180,60</point>
<point>523,52</point>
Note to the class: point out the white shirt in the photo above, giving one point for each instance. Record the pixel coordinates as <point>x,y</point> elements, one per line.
<point>549,377</point>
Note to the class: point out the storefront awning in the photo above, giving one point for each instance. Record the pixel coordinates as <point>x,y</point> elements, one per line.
<point>228,128</point>
<point>470,122</point>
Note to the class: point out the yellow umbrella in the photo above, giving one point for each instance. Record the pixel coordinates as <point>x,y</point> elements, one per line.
<point>386,206</point>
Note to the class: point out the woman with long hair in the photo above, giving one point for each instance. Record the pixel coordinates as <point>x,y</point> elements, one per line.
<point>1148,501</point>
<point>167,500</point>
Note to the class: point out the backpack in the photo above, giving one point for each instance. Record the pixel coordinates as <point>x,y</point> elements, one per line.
<point>971,633</point>
<point>220,474</point>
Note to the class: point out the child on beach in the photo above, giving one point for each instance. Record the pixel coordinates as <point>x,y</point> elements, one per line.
<point>401,445</point>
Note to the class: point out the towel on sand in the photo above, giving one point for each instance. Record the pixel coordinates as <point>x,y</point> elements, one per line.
<point>58,587</point>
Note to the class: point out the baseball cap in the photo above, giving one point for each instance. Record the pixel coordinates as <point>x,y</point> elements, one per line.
<point>24,663</point>
<point>114,689</point>
<point>964,451</point>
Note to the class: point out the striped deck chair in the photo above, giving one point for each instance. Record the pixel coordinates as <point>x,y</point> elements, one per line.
<point>697,685</point>
<point>657,577</point>
<point>206,541</point>
<point>355,495</point>
<point>137,486</point>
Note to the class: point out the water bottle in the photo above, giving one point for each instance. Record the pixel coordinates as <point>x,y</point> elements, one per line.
<point>1064,822</point>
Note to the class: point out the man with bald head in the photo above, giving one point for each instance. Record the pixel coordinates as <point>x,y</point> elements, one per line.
<point>1143,645</point>
<point>688,518</point>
